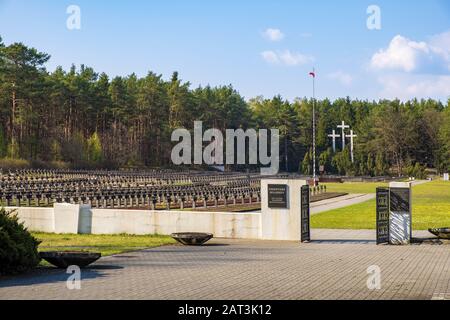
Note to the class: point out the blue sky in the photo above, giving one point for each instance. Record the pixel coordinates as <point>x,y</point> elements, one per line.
<point>261,47</point>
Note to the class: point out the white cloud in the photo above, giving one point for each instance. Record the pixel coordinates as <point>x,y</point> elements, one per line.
<point>286,58</point>
<point>294,58</point>
<point>412,56</point>
<point>270,56</point>
<point>407,86</point>
<point>441,40</point>
<point>273,34</point>
<point>401,54</point>
<point>441,45</point>
<point>342,77</point>
<point>422,68</point>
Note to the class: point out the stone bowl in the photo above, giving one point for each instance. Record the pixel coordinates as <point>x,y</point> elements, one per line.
<point>64,259</point>
<point>442,233</point>
<point>192,238</point>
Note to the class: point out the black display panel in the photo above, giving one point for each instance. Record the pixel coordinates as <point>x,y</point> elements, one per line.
<point>382,215</point>
<point>277,196</point>
<point>305,215</point>
<point>399,199</point>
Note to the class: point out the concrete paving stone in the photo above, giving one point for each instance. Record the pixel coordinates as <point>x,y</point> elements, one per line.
<point>333,266</point>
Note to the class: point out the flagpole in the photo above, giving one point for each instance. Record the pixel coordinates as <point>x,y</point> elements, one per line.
<point>314,125</point>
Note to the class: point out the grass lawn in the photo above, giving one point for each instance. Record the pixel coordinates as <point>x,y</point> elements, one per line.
<point>355,187</point>
<point>431,208</point>
<point>105,244</point>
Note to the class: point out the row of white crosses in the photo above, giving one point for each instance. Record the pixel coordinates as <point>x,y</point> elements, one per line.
<point>334,135</point>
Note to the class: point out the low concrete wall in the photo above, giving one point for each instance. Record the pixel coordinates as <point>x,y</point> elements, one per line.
<point>66,218</point>
<point>36,219</point>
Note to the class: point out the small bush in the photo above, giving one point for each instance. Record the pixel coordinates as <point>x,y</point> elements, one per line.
<point>16,164</point>
<point>18,248</point>
<point>38,164</point>
<point>417,171</point>
<point>10,163</point>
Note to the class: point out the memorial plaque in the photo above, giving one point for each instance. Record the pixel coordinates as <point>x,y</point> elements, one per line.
<point>305,215</point>
<point>382,215</point>
<point>277,196</point>
<point>399,200</point>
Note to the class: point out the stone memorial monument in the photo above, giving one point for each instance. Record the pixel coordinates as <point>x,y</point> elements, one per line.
<point>446,177</point>
<point>281,209</point>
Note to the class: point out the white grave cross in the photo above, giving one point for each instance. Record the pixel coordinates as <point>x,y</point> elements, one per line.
<point>351,136</point>
<point>343,127</point>
<point>334,135</point>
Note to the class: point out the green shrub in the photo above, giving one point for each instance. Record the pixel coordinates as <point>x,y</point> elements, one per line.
<point>13,164</point>
<point>38,164</point>
<point>10,163</point>
<point>417,171</point>
<point>18,248</point>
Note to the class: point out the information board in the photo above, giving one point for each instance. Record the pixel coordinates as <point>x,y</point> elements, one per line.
<point>400,200</point>
<point>382,215</point>
<point>305,215</point>
<point>277,196</point>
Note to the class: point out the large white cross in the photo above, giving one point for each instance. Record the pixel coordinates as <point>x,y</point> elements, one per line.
<point>334,135</point>
<point>351,136</point>
<point>343,127</point>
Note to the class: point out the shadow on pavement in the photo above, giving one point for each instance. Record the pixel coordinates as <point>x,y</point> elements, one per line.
<point>49,275</point>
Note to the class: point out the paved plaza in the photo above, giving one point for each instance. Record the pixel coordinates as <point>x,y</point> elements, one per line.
<point>334,266</point>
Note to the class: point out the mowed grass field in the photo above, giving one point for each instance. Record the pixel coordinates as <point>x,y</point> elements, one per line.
<point>355,187</point>
<point>431,207</point>
<point>105,244</point>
